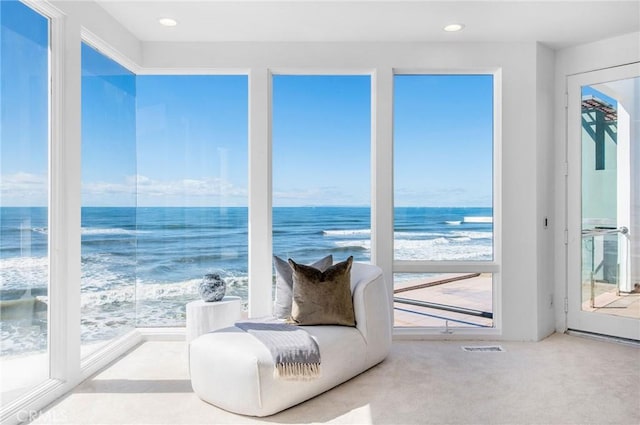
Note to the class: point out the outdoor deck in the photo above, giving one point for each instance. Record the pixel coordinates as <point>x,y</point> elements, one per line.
<point>453,299</point>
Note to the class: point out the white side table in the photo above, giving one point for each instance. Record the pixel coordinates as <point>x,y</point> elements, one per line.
<point>203,317</point>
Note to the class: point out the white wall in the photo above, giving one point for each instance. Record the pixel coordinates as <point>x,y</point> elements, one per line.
<point>579,59</point>
<point>545,117</point>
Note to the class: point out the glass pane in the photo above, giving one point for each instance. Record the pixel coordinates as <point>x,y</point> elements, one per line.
<point>611,198</point>
<point>24,139</point>
<point>108,200</point>
<point>443,300</point>
<point>321,161</point>
<point>443,167</point>
<point>192,191</point>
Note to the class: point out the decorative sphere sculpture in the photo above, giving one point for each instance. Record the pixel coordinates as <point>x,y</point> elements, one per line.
<point>212,287</point>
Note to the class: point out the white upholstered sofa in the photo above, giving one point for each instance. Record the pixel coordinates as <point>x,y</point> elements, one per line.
<point>233,370</point>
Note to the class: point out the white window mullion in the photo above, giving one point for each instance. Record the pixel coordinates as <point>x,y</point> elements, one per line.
<point>260,211</point>
<point>497,199</point>
<point>64,220</point>
<point>497,170</point>
<point>382,173</point>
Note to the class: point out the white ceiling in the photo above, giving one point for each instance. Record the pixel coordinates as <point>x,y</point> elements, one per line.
<point>556,23</point>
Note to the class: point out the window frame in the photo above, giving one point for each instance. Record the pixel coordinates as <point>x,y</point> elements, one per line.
<point>326,73</point>
<point>92,362</point>
<point>59,349</point>
<point>95,42</point>
<point>493,266</point>
<point>89,356</point>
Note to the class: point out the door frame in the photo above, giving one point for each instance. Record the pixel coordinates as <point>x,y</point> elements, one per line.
<point>577,319</point>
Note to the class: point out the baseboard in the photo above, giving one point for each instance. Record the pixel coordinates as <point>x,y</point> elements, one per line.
<point>27,407</point>
<point>163,334</point>
<point>441,334</point>
<point>111,352</point>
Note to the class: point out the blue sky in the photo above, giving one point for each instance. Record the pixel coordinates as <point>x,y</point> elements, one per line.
<point>189,134</point>
<point>590,91</point>
<point>443,137</point>
<point>23,97</point>
<point>108,131</point>
<point>192,140</point>
<point>321,140</point>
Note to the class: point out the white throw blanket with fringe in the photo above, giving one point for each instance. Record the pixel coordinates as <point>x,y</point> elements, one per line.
<point>296,354</point>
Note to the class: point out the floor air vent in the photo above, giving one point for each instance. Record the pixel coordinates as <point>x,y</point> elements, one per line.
<point>482,348</point>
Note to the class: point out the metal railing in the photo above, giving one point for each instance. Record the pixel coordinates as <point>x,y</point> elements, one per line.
<point>598,231</point>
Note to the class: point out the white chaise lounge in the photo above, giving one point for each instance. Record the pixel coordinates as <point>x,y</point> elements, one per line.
<point>231,369</point>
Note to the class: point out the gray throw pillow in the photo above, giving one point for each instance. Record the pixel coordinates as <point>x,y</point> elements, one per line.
<point>284,284</point>
<point>322,297</point>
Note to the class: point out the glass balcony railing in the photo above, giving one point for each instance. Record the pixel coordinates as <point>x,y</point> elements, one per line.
<point>605,270</point>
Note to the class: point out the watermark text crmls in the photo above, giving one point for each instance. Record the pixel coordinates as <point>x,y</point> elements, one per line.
<point>25,416</point>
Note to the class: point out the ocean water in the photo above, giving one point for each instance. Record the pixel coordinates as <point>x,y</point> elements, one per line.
<point>140,266</point>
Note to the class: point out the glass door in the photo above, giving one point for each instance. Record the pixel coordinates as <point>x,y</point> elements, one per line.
<point>604,202</point>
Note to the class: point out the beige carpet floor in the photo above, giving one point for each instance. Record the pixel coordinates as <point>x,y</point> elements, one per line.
<point>560,380</point>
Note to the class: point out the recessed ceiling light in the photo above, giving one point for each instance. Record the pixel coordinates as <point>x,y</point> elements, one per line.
<point>453,27</point>
<point>168,22</point>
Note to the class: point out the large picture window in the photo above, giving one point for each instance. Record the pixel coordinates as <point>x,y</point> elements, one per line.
<point>24,211</point>
<point>108,200</point>
<point>321,157</point>
<point>164,194</point>
<point>191,191</point>
<point>443,197</point>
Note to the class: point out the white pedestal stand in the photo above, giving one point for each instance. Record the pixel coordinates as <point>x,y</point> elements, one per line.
<point>203,317</point>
